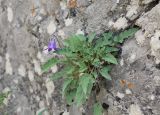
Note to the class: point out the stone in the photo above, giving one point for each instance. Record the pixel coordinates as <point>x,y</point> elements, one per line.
<point>156,80</point>
<point>54,69</point>
<point>150,21</point>
<point>31,75</point>
<point>22,70</point>
<point>10,14</point>
<point>79,32</point>
<point>50,87</point>
<point>128,91</point>
<point>37,67</point>
<point>152,97</point>
<point>155,46</point>
<point>61,34</point>
<point>51,27</point>
<point>132,9</point>
<point>134,109</point>
<point>8,66</point>
<point>68,21</point>
<point>66,113</point>
<point>140,37</point>
<point>132,57</point>
<point>121,23</point>
<point>120,95</point>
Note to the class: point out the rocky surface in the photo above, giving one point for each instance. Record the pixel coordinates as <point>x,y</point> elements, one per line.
<point>26,27</point>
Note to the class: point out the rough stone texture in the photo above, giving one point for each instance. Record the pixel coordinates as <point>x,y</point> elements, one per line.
<point>26,27</point>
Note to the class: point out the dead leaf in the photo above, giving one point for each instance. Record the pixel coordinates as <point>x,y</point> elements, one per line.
<point>122,83</point>
<point>72,3</point>
<point>130,85</point>
<point>33,10</point>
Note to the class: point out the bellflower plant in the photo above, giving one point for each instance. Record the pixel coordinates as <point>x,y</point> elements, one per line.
<point>86,59</point>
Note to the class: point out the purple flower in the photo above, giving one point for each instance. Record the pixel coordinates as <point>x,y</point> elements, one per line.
<point>52,45</point>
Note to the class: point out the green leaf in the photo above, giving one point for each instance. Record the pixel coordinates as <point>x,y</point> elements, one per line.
<point>105,73</point>
<point>83,67</point>
<point>50,63</point>
<point>91,37</point>
<point>97,109</point>
<point>110,58</point>
<point>66,84</point>
<point>85,81</point>
<point>80,96</point>
<point>111,49</point>
<point>41,112</point>
<point>95,74</point>
<point>107,35</point>
<point>96,62</point>
<point>70,95</point>
<point>123,35</point>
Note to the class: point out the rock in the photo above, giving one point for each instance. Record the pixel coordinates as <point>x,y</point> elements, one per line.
<point>132,57</point>
<point>128,91</point>
<point>66,113</point>
<point>68,21</point>
<point>79,32</point>
<point>156,80</point>
<point>155,46</point>
<point>8,67</point>
<point>121,23</point>
<point>50,87</point>
<point>139,35</point>
<point>10,14</point>
<point>31,75</point>
<point>22,70</point>
<point>122,62</point>
<point>51,27</point>
<point>37,67</point>
<point>152,97</point>
<point>150,21</point>
<point>120,95</point>
<point>132,9</point>
<point>135,110</point>
<point>147,1</point>
<point>54,69</point>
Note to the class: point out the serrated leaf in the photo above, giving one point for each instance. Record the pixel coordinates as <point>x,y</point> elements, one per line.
<point>50,63</point>
<point>70,95</point>
<point>107,35</point>
<point>111,49</point>
<point>83,67</point>
<point>95,74</point>
<point>91,37</point>
<point>96,62</point>
<point>123,35</point>
<point>97,109</point>
<point>66,83</point>
<point>80,96</point>
<point>105,73</point>
<point>110,58</point>
<point>85,81</point>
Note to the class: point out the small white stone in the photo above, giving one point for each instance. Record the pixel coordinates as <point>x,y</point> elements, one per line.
<point>110,23</point>
<point>63,5</point>
<point>122,62</point>
<point>51,27</point>
<point>120,95</point>
<point>54,69</point>
<point>8,66</point>
<point>22,70</point>
<point>61,34</point>
<point>66,113</point>
<point>139,35</point>
<point>15,81</point>
<point>50,87</point>
<point>121,23</point>
<point>40,57</point>
<point>79,32</point>
<point>132,12</point>
<point>128,91</point>
<point>68,21</point>
<point>10,14</point>
<point>152,97</point>
<point>135,110</point>
<point>117,1</point>
<point>37,67</point>
<point>45,50</point>
<point>132,57</point>
<point>31,75</point>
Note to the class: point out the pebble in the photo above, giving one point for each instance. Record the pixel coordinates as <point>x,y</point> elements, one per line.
<point>128,91</point>
<point>22,70</point>
<point>68,21</point>
<point>10,14</point>
<point>66,113</point>
<point>8,66</point>
<point>50,87</point>
<point>51,27</point>
<point>61,34</point>
<point>79,32</point>
<point>132,57</point>
<point>121,23</point>
<point>54,69</point>
<point>152,97</point>
<point>37,67</point>
<point>140,38</point>
<point>31,75</point>
<point>134,109</point>
<point>120,95</point>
